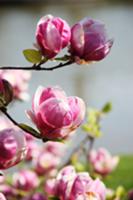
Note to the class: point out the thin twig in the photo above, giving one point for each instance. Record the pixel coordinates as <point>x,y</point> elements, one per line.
<point>67,159</point>
<point>3,110</point>
<point>36,67</point>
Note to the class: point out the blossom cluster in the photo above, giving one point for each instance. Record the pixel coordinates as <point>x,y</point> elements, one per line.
<point>56,116</point>
<point>41,164</point>
<point>87,40</point>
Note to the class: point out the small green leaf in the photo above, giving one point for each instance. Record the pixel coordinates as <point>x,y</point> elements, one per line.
<point>64,58</point>
<point>120,191</point>
<point>32,55</point>
<point>53,198</point>
<point>29,129</point>
<point>107,107</point>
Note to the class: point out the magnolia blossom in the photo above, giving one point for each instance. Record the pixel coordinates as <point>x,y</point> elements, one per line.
<point>70,185</point>
<point>49,158</point>
<point>89,41</point>
<point>19,82</point>
<point>12,148</point>
<point>102,161</point>
<point>2,197</point>
<point>55,114</point>
<point>32,150</point>
<point>49,186</point>
<point>32,147</point>
<point>52,35</point>
<point>8,191</point>
<point>25,180</point>
<point>36,196</point>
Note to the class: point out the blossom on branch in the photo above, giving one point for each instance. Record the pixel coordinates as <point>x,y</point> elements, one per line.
<point>55,114</point>
<point>49,158</point>
<point>89,41</point>
<point>12,148</point>
<point>102,161</point>
<point>70,185</point>
<point>52,35</point>
<point>25,180</point>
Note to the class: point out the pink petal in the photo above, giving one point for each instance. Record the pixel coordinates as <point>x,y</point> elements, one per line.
<point>77,39</point>
<point>77,106</point>
<point>55,113</point>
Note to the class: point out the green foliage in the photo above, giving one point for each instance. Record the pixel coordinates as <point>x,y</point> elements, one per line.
<point>107,107</point>
<point>32,55</point>
<point>29,129</point>
<point>120,192</point>
<point>92,127</point>
<point>53,198</point>
<point>94,116</point>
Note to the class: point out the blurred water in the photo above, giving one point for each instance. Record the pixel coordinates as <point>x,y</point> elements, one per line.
<point>109,80</point>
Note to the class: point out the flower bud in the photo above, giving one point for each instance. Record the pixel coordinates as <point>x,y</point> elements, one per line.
<point>49,158</point>
<point>89,41</point>
<point>19,82</point>
<point>102,161</point>
<point>12,148</point>
<point>55,114</point>
<point>36,196</point>
<point>25,180</point>
<point>70,185</point>
<point>8,191</point>
<point>52,35</point>
<point>6,92</point>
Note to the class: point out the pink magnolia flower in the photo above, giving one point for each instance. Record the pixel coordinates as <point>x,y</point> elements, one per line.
<point>52,35</point>
<point>33,150</point>
<point>49,186</point>
<point>55,114</point>
<point>12,148</point>
<point>36,196</point>
<point>2,197</point>
<point>19,82</point>
<point>49,158</point>
<point>55,148</point>
<point>89,41</point>
<point>102,161</point>
<point>46,162</point>
<point>8,191</point>
<point>25,180</point>
<point>32,147</point>
<point>70,185</point>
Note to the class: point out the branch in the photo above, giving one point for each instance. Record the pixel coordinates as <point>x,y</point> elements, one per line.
<point>37,67</point>
<point>68,156</point>
<point>3,110</point>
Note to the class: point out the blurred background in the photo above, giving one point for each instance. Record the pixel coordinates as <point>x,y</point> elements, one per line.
<point>108,80</point>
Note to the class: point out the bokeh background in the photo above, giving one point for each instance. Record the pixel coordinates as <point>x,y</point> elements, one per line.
<point>108,80</point>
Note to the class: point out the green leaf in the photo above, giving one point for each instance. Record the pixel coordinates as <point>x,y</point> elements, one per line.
<point>107,107</point>
<point>120,191</point>
<point>53,198</point>
<point>29,129</point>
<point>64,58</point>
<point>32,55</point>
